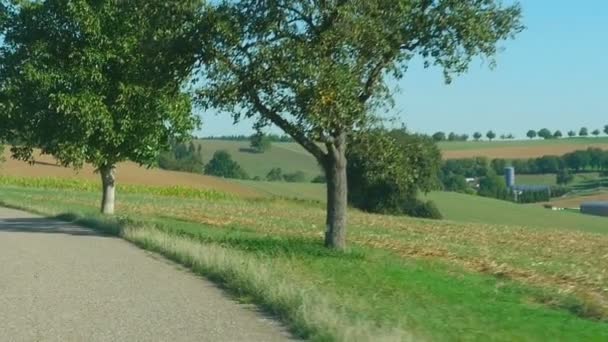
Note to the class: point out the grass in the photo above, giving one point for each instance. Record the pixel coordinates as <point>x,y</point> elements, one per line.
<point>475,145</point>
<point>476,209</point>
<point>290,157</point>
<point>304,191</point>
<point>403,279</point>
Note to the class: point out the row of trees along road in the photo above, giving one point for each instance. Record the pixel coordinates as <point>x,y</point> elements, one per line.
<point>101,81</point>
<point>546,134</point>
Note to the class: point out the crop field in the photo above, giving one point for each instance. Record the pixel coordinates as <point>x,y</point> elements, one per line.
<point>404,278</point>
<point>519,148</point>
<point>127,173</point>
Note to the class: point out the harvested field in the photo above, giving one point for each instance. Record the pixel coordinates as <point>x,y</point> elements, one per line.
<point>518,152</point>
<point>128,173</point>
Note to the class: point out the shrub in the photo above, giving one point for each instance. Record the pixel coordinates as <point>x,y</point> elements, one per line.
<point>320,179</point>
<point>296,177</point>
<point>275,175</point>
<point>222,165</point>
<point>418,208</point>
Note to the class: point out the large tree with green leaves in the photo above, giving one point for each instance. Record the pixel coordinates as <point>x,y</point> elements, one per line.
<point>96,82</point>
<point>318,69</point>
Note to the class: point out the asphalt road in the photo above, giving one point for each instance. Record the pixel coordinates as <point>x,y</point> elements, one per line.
<point>60,282</point>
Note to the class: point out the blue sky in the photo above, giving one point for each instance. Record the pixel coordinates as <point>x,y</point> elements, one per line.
<point>554,74</point>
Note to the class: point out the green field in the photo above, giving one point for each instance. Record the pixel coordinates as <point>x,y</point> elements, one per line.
<point>290,157</point>
<point>474,145</point>
<point>534,275</point>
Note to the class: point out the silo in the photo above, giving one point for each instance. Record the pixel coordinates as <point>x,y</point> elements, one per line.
<point>510,176</point>
<point>595,208</point>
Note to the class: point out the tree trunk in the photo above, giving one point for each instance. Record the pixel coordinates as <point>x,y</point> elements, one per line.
<point>108,181</point>
<point>335,171</point>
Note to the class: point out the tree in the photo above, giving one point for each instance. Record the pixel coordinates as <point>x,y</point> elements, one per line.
<point>564,177</point>
<point>606,129</point>
<point>596,132</point>
<point>571,134</point>
<point>317,69</point>
<point>477,136</point>
<point>222,165</point>
<point>390,184</point>
<point>531,134</point>
<point>491,135</point>
<point>96,82</point>
<point>260,143</point>
<point>493,186</point>
<point>275,175</point>
<point>583,132</point>
<point>558,134</point>
<point>545,133</point>
<point>439,136</point>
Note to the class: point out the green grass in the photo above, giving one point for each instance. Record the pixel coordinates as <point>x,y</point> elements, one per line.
<point>303,191</point>
<point>476,209</point>
<point>474,145</point>
<point>290,157</point>
<point>403,279</point>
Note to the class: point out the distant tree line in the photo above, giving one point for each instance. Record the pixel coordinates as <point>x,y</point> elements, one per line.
<point>490,135</point>
<point>547,134</point>
<point>275,138</point>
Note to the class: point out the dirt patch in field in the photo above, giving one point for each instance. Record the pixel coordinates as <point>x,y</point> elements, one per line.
<point>128,173</point>
<point>575,202</point>
<point>519,152</point>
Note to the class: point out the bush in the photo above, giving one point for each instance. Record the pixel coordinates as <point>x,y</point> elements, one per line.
<point>275,175</point>
<point>320,179</point>
<point>182,158</point>
<point>296,177</point>
<point>222,165</point>
<point>403,165</point>
<point>493,186</point>
<point>423,209</point>
<point>455,183</point>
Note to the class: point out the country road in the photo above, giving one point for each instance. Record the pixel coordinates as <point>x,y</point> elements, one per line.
<point>60,282</point>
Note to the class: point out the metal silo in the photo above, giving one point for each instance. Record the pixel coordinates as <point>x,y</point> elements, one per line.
<point>510,176</point>
<point>595,208</point>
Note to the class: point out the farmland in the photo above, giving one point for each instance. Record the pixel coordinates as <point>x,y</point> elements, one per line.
<point>404,278</point>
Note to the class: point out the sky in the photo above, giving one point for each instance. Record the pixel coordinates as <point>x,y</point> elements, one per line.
<point>554,75</point>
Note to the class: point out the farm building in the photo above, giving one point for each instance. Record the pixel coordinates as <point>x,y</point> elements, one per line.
<point>595,208</point>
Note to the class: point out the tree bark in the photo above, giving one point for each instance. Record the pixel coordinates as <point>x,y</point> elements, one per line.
<point>337,191</point>
<point>108,181</point>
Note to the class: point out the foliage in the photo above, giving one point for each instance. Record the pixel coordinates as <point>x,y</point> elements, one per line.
<point>273,138</point>
<point>390,185</point>
<point>571,134</point>
<point>182,157</point>
<point>439,136</point>
<point>493,186</point>
<point>491,135</point>
<point>596,132</point>
<point>260,143</point>
<point>469,167</point>
<point>455,183</point>
<point>606,129</point>
<point>320,179</point>
<point>534,196</point>
<point>583,132</point>
<point>558,134</point>
<point>317,70</point>
<point>531,134</point>
<point>295,177</point>
<point>96,82</point>
<point>222,165</point>
<point>477,136</point>
<point>545,133</point>
<point>275,175</point>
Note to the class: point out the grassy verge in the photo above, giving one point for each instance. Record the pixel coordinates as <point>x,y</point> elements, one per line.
<point>369,293</point>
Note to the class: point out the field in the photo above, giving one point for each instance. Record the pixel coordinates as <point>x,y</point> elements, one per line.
<point>542,276</point>
<point>290,157</point>
<point>519,148</point>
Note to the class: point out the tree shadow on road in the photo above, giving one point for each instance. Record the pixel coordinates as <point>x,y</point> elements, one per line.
<point>44,225</point>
